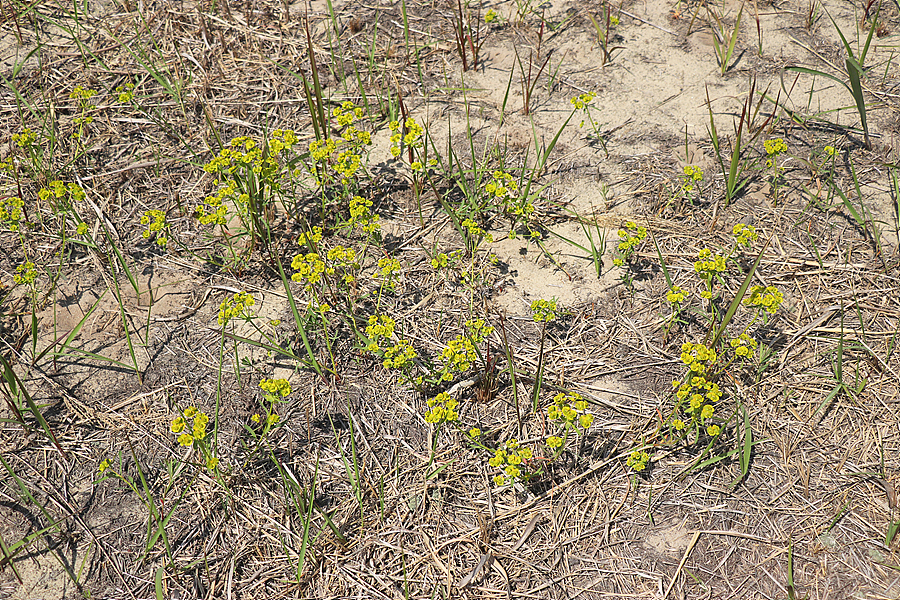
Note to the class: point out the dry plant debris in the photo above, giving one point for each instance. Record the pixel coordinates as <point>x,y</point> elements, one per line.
<point>449,300</point>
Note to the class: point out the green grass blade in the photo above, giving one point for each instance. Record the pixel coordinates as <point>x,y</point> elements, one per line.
<point>817,73</point>
<point>865,50</point>
<point>297,320</point>
<point>158,584</point>
<point>6,558</point>
<point>10,376</point>
<point>72,334</point>
<point>731,43</point>
<point>662,261</point>
<point>854,69</point>
<point>736,302</point>
<point>746,448</point>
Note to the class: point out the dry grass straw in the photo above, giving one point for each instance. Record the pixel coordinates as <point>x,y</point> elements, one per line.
<point>823,480</point>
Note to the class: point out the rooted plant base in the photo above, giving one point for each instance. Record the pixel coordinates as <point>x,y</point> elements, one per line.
<point>403,320</point>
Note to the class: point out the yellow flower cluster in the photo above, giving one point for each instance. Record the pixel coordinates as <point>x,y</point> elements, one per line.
<point>442,409</point>
<point>281,140</point>
<point>11,211</point>
<point>236,306</point>
<point>459,354</point>
<point>345,162</point>
<point>692,175</point>
<point>767,298</point>
<point>638,460</point>
<point>501,186</point>
<point>400,355</point>
<point>80,93</point>
<point>24,139</point>
<point>276,389</point>
<point>155,220</point>
<point>311,238</point>
<point>775,146</point>
<point>361,215</point>
<point>744,234</point>
<point>309,268</point>
<point>510,459</point>
<point>59,190</point>
<point>631,237</point>
<point>342,259</point>
<point>490,16</point>
<point>707,264</point>
<point>245,154</point>
<point>570,411</point>
<point>676,295</point>
<point>743,346</point>
<point>581,101</point>
<point>698,357</point>
<point>388,270</point>
<point>476,231</point>
<point>25,273</point>
<point>321,150</point>
<point>543,311</point>
<point>197,431</point>
<point>213,212</point>
<point>379,327</point>
<point>125,93</point>
<point>409,135</point>
<point>697,391</point>
<point>270,420</point>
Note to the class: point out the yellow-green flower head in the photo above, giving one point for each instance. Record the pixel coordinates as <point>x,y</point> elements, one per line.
<point>543,310</point>
<point>381,326</point>
<point>11,211</point>
<point>511,459</point>
<point>24,139</point>
<point>80,93</point>
<point>830,151</point>
<point>632,235</point>
<point>554,442</point>
<point>440,261</point>
<point>399,356</point>
<point>490,16</point>
<point>744,234</point>
<point>707,264</point>
<point>775,146</point>
<point>743,345</point>
<point>25,274</point>
<point>104,465</point>
<point>693,173</point>
<point>581,101</point>
<point>236,306</point>
<point>767,298</point>
<point>676,295</point>
<point>475,433</point>
<point>713,430</point>
<point>638,460</point>
<point>278,388</point>
<point>442,408</point>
